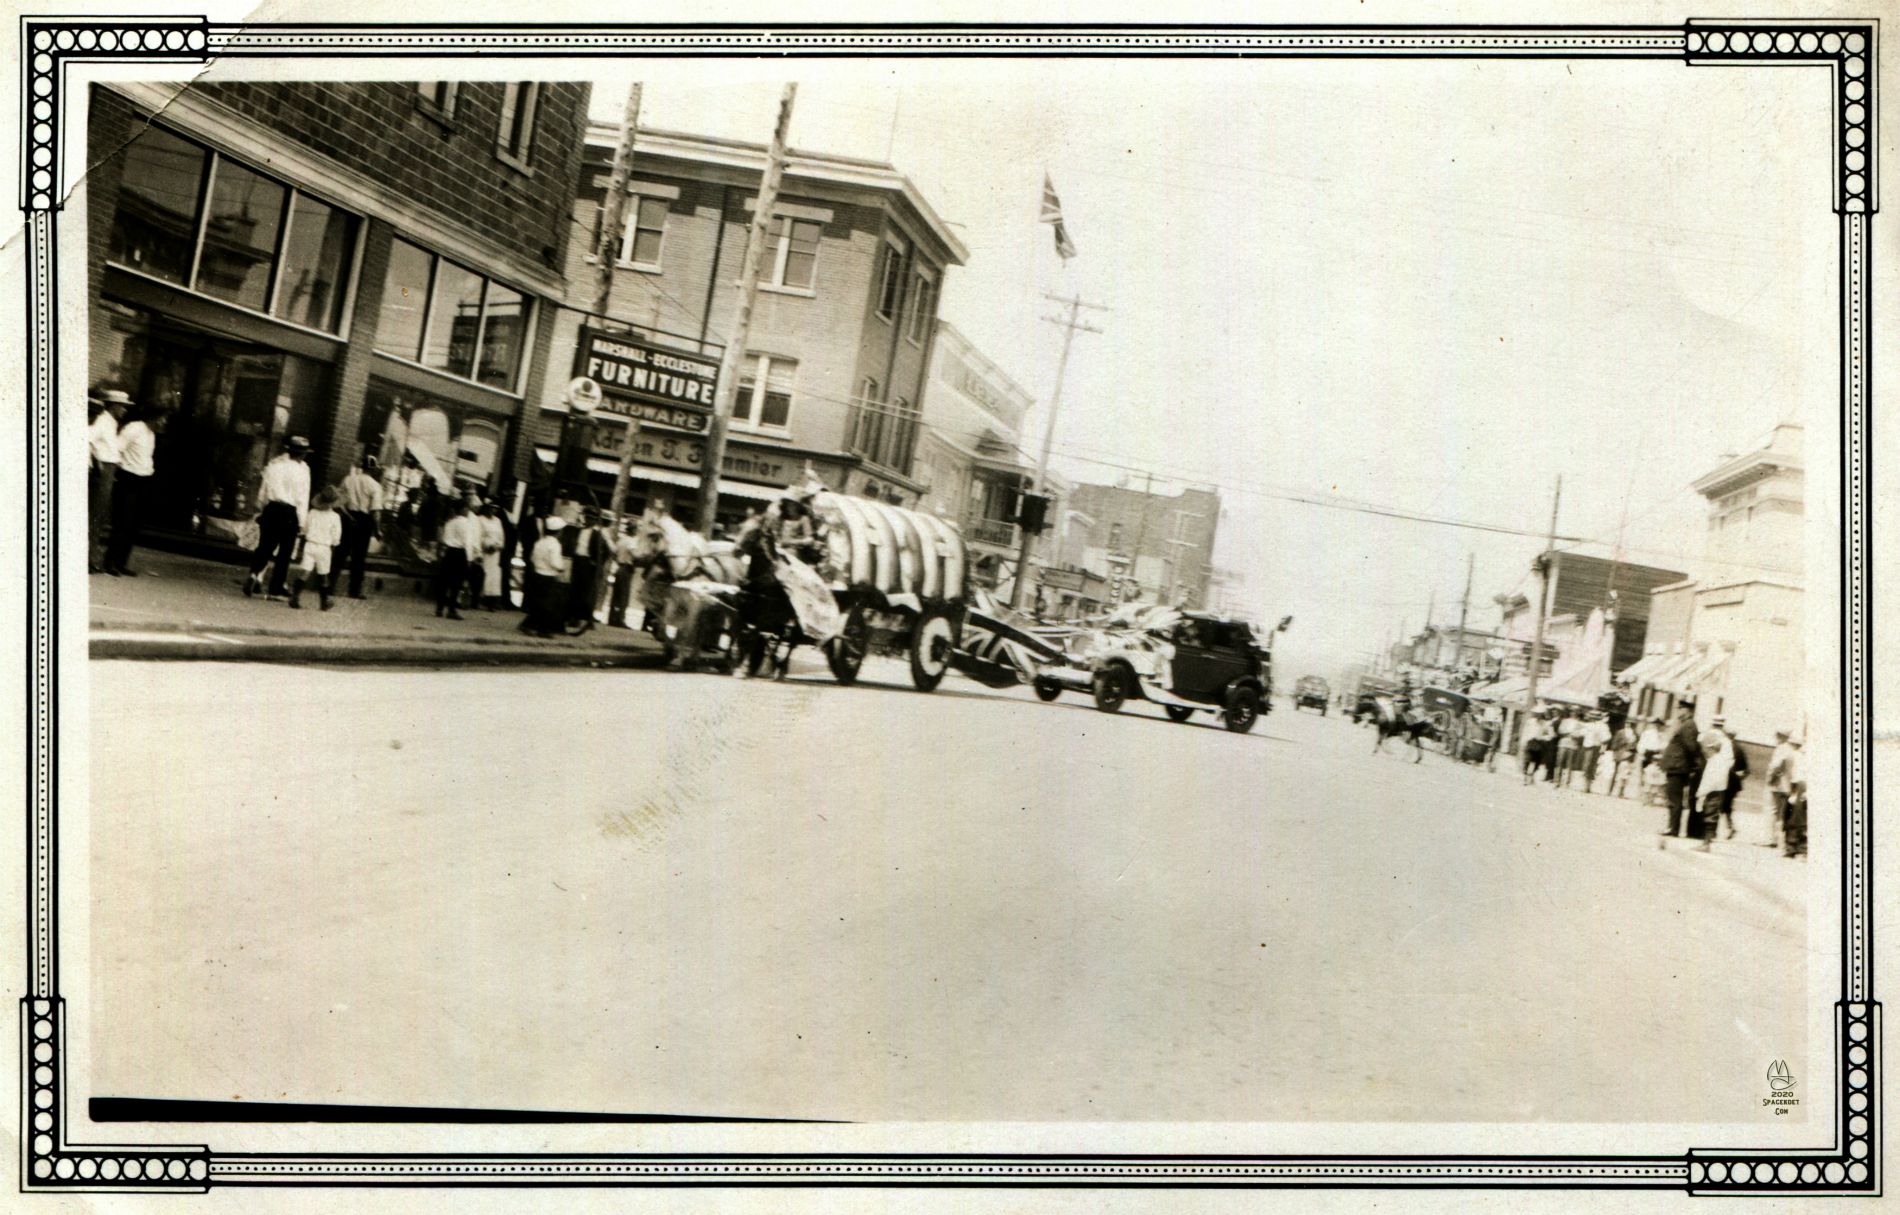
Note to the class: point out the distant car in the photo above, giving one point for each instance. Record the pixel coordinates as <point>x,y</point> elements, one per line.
<point>1186,662</point>
<point>1312,692</point>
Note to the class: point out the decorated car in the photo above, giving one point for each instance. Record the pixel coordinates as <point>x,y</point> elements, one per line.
<point>1186,662</point>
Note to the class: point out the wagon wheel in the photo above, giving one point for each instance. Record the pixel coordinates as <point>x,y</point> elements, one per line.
<point>1441,728</point>
<point>845,654</point>
<point>930,644</point>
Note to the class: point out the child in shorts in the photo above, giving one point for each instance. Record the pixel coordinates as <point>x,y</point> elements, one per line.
<point>322,532</point>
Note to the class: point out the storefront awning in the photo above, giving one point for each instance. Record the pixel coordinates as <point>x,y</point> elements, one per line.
<point>1668,676</point>
<point>1638,671</point>
<point>1705,668</point>
<point>667,476</point>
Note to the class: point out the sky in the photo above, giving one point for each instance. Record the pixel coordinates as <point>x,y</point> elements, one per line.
<point>1428,288</point>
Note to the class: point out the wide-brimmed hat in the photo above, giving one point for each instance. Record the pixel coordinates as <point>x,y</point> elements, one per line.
<point>555,523</point>
<point>296,443</point>
<point>113,396</point>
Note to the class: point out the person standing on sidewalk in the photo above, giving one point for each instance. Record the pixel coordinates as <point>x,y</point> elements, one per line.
<point>322,532</point>
<point>1780,766</point>
<point>1568,749</point>
<point>1794,836</point>
<point>360,506</point>
<point>584,569</point>
<point>285,497</point>
<point>102,445</point>
<point>626,554</point>
<point>1718,757</point>
<point>547,583</point>
<point>494,540</point>
<point>1681,759</point>
<point>1623,758</point>
<point>461,536</point>
<point>1591,738</point>
<point>1738,771</point>
<point>138,441</point>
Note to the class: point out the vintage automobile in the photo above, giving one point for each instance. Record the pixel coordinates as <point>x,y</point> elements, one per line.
<point>1186,662</point>
<point>1312,692</point>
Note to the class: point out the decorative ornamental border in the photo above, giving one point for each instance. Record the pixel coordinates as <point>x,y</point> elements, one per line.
<point>1851,1164</point>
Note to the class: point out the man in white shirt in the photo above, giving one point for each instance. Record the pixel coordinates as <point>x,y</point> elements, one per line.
<point>547,589</point>
<point>102,443</point>
<point>360,505</point>
<point>138,445</point>
<point>284,498</point>
<point>461,539</point>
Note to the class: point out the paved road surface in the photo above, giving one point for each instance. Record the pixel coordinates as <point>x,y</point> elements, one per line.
<point>663,893</point>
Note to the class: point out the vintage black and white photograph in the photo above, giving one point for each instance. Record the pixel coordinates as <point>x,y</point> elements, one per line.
<point>730,593</point>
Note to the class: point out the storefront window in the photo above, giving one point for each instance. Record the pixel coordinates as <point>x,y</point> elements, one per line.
<point>454,321</point>
<point>247,210</point>
<point>502,327</point>
<point>316,262</point>
<point>231,406</point>
<point>156,225</point>
<point>432,450</point>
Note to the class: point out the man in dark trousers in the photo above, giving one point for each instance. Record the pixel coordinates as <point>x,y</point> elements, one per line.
<point>360,503</point>
<point>283,499</point>
<point>590,545</point>
<point>1682,766</point>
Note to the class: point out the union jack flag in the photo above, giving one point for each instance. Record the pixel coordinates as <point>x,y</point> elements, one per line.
<point>1052,214</point>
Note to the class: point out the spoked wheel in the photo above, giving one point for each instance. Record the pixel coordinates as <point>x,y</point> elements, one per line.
<point>1177,712</point>
<point>845,653</point>
<point>1243,709</point>
<point>1111,689</point>
<point>930,645</point>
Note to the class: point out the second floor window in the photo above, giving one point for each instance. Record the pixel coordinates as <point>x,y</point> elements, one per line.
<point>764,398</point>
<point>794,251</point>
<point>515,140</point>
<point>890,281</point>
<point>644,232</point>
<point>923,305</point>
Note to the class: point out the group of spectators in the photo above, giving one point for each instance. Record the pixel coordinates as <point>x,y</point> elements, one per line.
<point>1694,775</point>
<point>121,439</point>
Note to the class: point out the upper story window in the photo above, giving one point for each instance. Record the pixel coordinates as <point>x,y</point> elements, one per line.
<point>515,140</point>
<point>437,97</point>
<point>644,233</point>
<point>451,319</point>
<point>923,305</point>
<point>764,397</point>
<point>205,222</point>
<point>794,251</point>
<point>890,280</point>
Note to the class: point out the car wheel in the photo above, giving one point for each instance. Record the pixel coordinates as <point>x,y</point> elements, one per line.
<point>1177,712</point>
<point>1111,689</point>
<point>1047,690</point>
<point>845,654</point>
<point>1243,709</point>
<point>930,644</point>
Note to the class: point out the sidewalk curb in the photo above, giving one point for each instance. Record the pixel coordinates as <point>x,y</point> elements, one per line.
<point>349,652</point>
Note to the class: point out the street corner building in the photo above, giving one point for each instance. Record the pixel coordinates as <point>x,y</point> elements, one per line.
<point>833,376</point>
<point>373,265</point>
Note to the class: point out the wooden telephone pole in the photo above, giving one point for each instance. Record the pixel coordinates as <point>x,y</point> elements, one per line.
<point>613,218</point>
<point>1464,610</point>
<point>1543,596</point>
<point>1040,485</point>
<point>732,363</point>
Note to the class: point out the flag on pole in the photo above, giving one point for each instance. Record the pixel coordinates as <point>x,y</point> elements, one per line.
<point>1052,214</point>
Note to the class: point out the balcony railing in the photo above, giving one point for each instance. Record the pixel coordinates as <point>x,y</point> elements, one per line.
<point>989,531</point>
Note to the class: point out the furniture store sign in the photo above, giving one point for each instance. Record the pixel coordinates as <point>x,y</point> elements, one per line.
<point>648,382</point>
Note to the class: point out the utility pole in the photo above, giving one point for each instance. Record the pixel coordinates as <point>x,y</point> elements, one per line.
<point>1543,595</point>
<point>1040,484</point>
<point>733,360</point>
<point>613,218</point>
<point>1464,610</point>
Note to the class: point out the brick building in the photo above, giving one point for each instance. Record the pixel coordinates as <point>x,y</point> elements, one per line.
<point>1155,548</point>
<point>841,332</point>
<point>372,265</point>
<point>1575,585</point>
